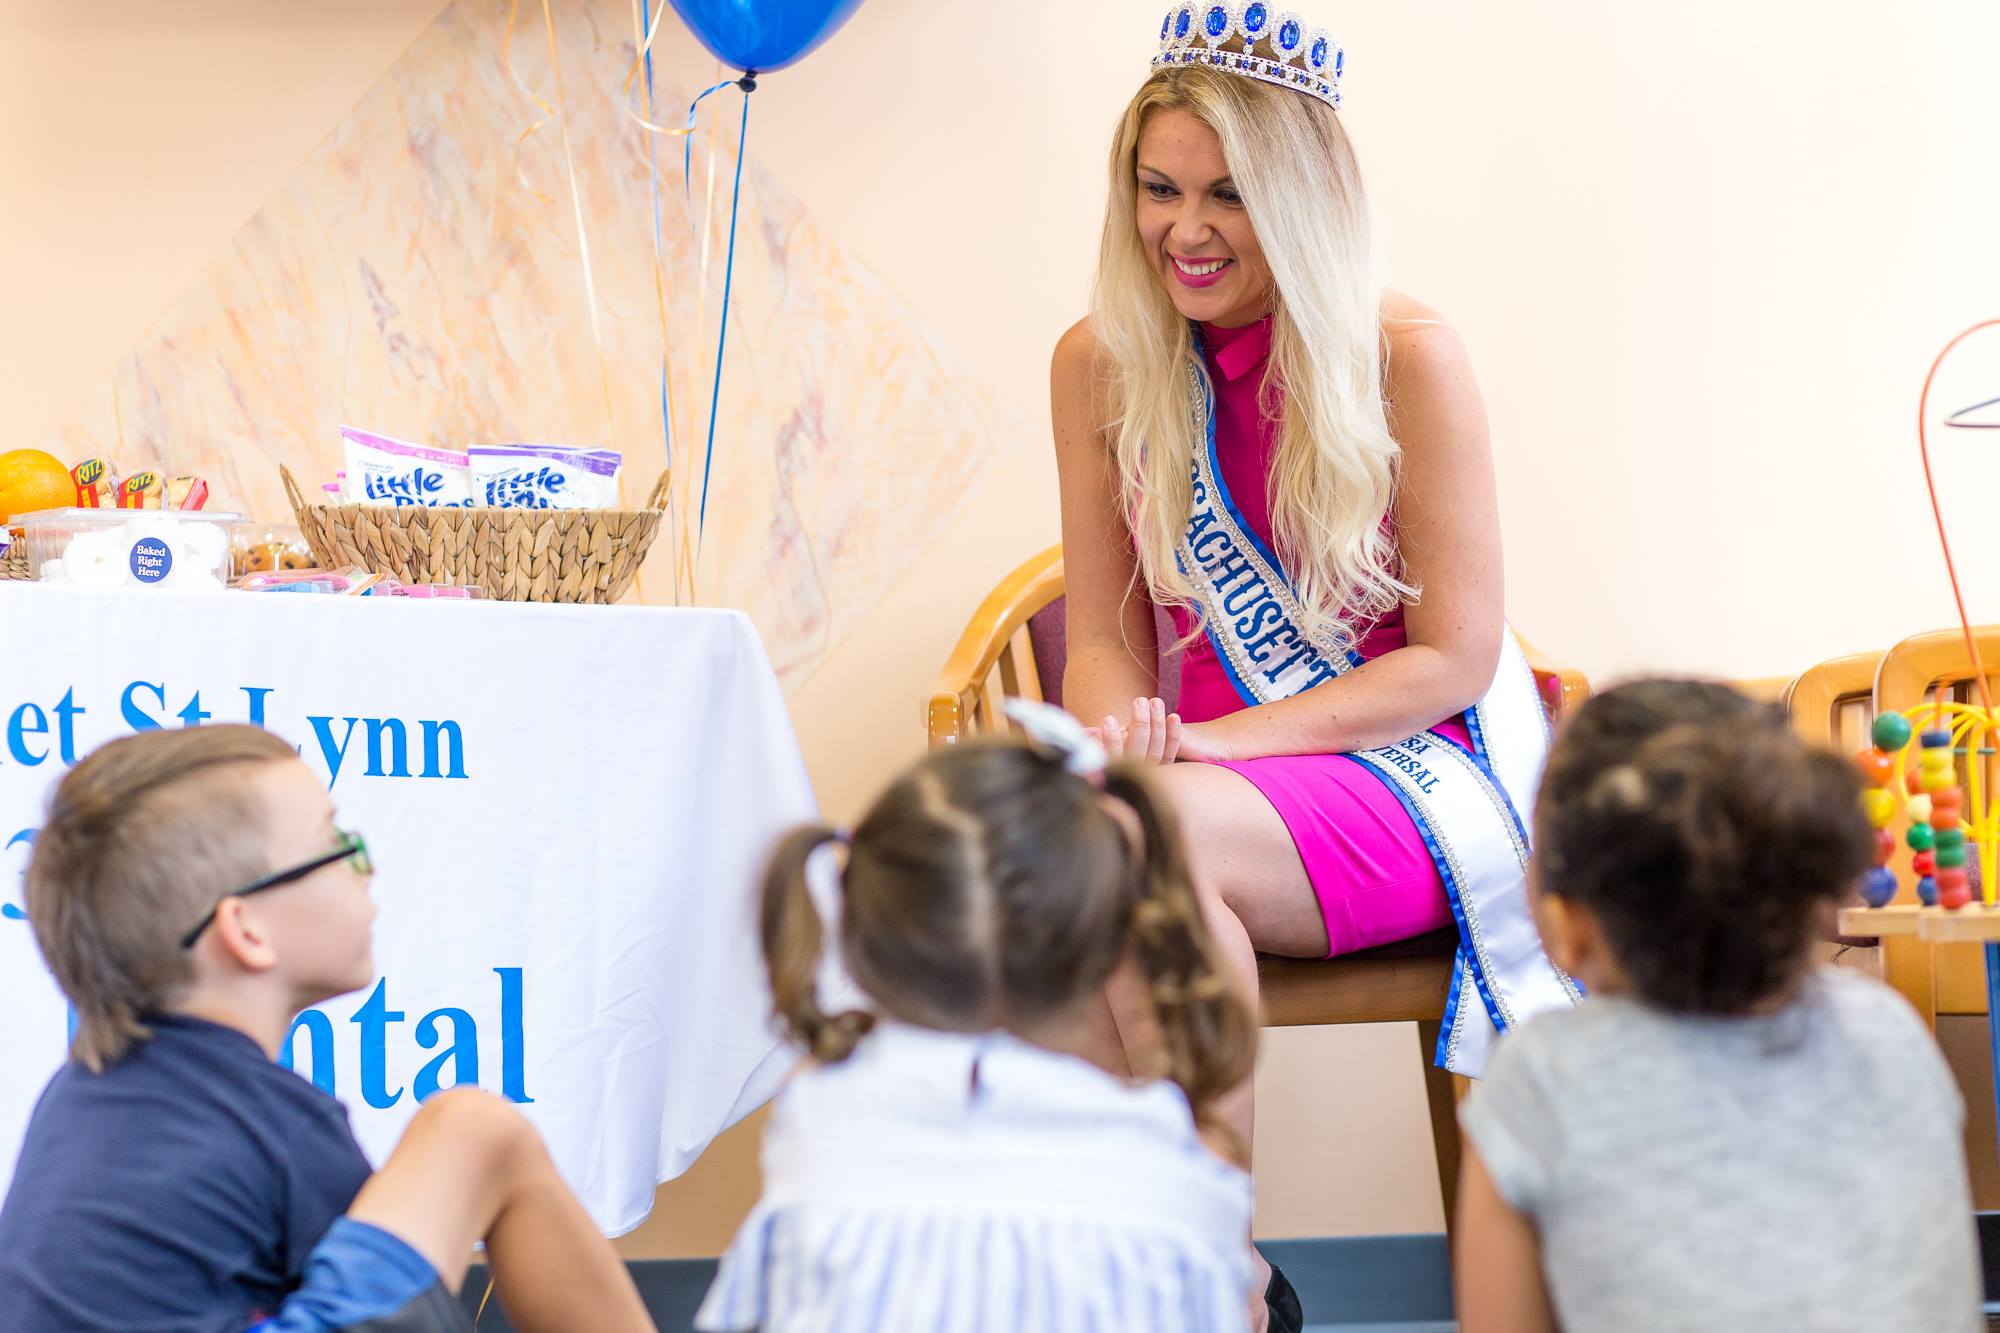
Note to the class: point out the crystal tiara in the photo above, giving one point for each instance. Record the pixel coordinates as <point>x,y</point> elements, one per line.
<point>1272,46</point>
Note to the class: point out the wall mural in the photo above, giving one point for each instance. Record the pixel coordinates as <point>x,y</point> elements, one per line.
<point>419,275</point>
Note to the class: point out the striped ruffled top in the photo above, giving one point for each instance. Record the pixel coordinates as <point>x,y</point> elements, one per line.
<point>978,1184</point>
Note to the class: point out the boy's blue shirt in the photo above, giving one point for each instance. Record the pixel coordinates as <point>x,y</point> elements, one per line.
<point>180,1189</point>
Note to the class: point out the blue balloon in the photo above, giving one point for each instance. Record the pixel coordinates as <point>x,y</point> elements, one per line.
<point>763,35</point>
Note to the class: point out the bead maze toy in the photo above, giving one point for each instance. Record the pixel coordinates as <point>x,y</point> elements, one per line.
<point>1943,828</point>
<point>1949,820</point>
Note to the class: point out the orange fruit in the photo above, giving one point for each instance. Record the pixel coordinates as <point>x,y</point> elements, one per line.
<point>31,480</point>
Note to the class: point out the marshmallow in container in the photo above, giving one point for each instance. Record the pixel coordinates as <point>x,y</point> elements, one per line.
<point>382,471</point>
<point>180,550</point>
<point>544,476</point>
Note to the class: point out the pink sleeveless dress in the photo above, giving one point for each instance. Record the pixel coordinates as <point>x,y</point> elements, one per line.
<point>1369,869</point>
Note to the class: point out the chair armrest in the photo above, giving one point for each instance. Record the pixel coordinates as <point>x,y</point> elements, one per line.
<point>1030,587</point>
<point>1563,688</point>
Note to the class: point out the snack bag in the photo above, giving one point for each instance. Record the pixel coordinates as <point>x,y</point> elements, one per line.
<point>383,471</point>
<point>95,487</point>
<point>186,493</point>
<point>544,476</point>
<point>141,490</point>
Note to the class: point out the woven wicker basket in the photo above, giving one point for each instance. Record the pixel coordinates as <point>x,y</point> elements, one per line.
<point>516,555</point>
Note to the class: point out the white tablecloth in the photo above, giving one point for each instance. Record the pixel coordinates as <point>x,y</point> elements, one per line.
<point>568,808</point>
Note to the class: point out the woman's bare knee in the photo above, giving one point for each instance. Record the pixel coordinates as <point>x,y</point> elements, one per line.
<point>1244,860</point>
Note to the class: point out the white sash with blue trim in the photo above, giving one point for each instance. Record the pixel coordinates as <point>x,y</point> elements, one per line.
<point>1471,808</point>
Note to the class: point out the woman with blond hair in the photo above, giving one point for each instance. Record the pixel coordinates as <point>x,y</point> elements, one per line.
<point>1254,436</point>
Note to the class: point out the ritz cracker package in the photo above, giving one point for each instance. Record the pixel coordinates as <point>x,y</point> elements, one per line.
<point>544,476</point>
<point>382,471</point>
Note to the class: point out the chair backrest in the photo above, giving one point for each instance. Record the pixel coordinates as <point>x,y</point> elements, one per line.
<point>1924,665</point>
<point>1833,704</point>
<point>1017,644</point>
<point>1048,632</point>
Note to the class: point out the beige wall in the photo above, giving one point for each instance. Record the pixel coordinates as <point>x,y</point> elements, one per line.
<point>1702,254</point>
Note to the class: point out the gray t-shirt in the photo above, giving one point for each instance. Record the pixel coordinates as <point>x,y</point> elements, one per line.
<point>1800,1171</point>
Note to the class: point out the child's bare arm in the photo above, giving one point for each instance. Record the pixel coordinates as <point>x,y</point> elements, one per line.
<point>1498,1269</point>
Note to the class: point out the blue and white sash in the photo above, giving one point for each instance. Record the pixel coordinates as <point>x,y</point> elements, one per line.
<point>1471,808</point>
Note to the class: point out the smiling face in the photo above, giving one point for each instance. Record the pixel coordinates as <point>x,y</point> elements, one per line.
<point>1194,226</point>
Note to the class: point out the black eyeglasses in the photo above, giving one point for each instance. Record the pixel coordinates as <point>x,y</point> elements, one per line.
<point>353,847</point>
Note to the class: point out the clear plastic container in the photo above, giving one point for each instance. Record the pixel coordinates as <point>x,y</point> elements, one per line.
<point>185,550</point>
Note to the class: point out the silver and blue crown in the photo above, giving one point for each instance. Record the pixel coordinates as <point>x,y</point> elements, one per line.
<point>1266,44</point>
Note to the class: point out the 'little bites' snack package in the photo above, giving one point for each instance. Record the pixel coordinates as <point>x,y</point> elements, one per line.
<point>383,471</point>
<point>544,476</point>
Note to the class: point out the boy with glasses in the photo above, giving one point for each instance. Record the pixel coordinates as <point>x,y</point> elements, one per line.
<point>191,895</point>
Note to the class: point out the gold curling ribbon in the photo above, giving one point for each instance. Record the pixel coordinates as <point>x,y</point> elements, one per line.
<point>554,111</point>
<point>688,552</point>
<point>646,34</point>
<point>507,60</point>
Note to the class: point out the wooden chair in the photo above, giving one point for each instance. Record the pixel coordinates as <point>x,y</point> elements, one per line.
<point>1833,704</point>
<point>1015,645</point>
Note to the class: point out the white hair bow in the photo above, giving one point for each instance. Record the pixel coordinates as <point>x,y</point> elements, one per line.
<point>1056,731</point>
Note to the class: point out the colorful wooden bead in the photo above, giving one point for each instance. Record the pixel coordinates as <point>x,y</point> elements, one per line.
<point>1878,886</point>
<point>1927,891</point>
<point>1935,780</point>
<point>1876,768</point>
<point>1954,888</point>
<point>1923,863</point>
<point>1879,804</point>
<point>1912,780</point>
<point>1950,858</point>
<point>1921,837</point>
<point>1891,732</point>
<point>1935,739</point>
<point>1885,845</point>
<point>1946,806</point>
<point>1950,838</point>
<point>1918,808</point>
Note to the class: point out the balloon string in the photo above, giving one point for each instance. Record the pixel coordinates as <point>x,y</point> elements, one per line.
<point>507,61</point>
<point>582,239</point>
<point>643,61</point>
<point>722,335</point>
<point>1937,513</point>
<point>688,532</point>
<point>648,31</point>
<point>651,26</point>
<point>687,148</point>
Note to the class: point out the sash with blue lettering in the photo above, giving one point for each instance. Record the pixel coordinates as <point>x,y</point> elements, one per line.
<point>1470,807</point>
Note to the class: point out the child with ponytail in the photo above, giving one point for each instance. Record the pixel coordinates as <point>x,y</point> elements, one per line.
<point>1724,1136</point>
<point>947,1160</point>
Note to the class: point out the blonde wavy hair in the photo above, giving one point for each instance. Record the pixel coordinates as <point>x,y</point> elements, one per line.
<point>1334,478</point>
